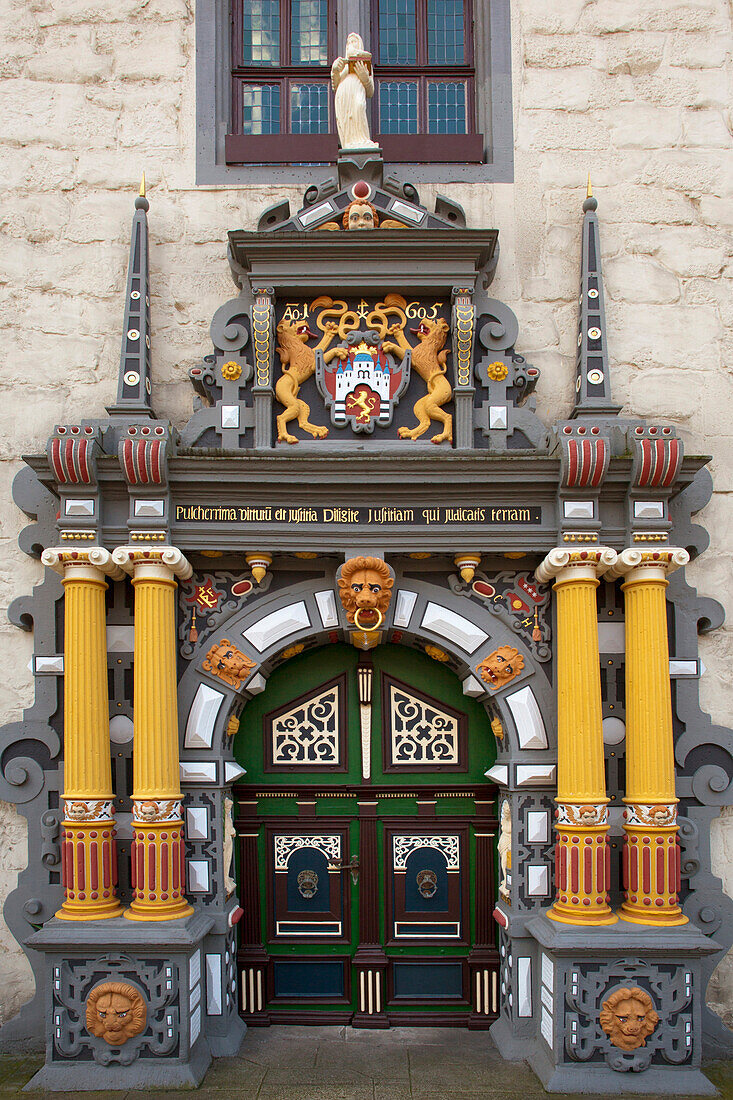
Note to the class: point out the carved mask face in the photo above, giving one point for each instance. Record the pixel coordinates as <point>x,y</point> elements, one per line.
<point>115,1013</point>
<point>628,1018</point>
<point>361,216</point>
<point>501,666</point>
<point>366,584</point>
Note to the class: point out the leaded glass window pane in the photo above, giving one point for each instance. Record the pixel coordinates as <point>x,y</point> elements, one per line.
<point>309,108</point>
<point>398,107</point>
<point>445,32</point>
<point>446,108</point>
<point>261,109</point>
<point>309,32</point>
<point>261,33</point>
<point>397,33</point>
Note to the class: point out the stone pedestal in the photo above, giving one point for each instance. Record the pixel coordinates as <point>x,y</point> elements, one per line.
<point>165,963</point>
<point>578,970</point>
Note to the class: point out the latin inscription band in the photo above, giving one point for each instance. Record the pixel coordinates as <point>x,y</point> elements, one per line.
<point>380,515</point>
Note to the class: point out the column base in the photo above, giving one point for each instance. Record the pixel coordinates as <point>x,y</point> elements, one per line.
<point>563,916</point>
<point>670,919</point>
<point>103,911</point>
<point>158,912</point>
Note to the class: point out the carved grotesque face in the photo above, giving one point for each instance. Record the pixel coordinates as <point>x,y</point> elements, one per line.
<point>226,662</point>
<point>628,1018</point>
<point>361,216</point>
<point>365,586</point>
<point>501,666</point>
<point>116,1013</point>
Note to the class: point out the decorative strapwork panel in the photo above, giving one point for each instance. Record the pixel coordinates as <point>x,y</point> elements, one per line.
<point>420,732</point>
<point>306,885</point>
<point>428,882</point>
<point>504,418</point>
<point>223,380</point>
<point>207,599</point>
<point>515,598</point>
<point>311,732</point>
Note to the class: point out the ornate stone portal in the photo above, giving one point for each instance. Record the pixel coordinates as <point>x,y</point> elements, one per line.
<point>364,464</point>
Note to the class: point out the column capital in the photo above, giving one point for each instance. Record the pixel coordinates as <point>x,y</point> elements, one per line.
<point>652,565</point>
<point>131,558</point>
<point>61,559</point>
<point>563,564</point>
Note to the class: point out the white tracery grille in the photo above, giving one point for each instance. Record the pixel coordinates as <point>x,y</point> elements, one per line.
<point>419,732</point>
<point>404,846</point>
<point>309,733</point>
<point>329,846</point>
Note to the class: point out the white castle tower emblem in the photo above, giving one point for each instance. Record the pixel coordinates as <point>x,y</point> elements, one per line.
<point>365,373</point>
<point>363,385</point>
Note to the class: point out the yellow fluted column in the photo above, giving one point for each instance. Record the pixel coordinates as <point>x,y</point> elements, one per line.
<point>581,853</point>
<point>158,860</point>
<point>651,859</point>
<point>89,864</point>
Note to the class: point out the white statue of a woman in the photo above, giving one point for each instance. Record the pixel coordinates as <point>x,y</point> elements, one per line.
<point>353,84</point>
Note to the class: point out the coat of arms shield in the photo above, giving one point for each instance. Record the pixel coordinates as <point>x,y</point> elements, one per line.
<point>362,382</point>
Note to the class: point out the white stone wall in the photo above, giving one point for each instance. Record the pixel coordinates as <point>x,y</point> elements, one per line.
<point>635,91</point>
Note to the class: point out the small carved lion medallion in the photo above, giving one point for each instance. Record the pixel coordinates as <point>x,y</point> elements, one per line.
<point>628,1018</point>
<point>228,663</point>
<point>365,588</point>
<point>116,1013</point>
<point>500,667</point>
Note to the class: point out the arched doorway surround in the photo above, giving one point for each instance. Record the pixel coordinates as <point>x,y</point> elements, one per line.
<point>267,629</point>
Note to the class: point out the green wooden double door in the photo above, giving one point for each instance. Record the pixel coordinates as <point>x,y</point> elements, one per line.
<point>366,840</point>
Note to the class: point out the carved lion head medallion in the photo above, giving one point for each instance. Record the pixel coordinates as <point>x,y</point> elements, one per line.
<point>116,1012</point>
<point>628,1018</point>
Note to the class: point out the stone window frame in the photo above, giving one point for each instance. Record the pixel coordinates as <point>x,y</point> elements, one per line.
<point>492,44</point>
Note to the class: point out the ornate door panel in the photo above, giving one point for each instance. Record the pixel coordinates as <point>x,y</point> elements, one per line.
<point>427,882</point>
<point>366,900</point>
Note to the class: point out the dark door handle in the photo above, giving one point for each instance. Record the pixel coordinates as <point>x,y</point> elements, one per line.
<point>353,866</point>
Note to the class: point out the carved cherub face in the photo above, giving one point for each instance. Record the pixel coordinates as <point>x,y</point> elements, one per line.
<point>501,666</point>
<point>628,1018</point>
<point>360,215</point>
<point>115,1012</point>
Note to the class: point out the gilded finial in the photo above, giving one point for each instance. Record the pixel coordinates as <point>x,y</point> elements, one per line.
<point>591,202</point>
<point>141,202</point>
<point>142,185</point>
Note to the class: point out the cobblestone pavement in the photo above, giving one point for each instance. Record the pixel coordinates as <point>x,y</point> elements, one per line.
<point>336,1063</point>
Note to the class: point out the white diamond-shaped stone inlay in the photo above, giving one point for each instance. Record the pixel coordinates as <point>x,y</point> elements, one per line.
<point>279,624</point>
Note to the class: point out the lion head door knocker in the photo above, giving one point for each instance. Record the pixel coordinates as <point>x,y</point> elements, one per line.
<point>628,1018</point>
<point>365,588</point>
<point>116,1012</point>
<point>228,663</point>
<point>427,883</point>
<point>500,667</point>
<point>307,883</point>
